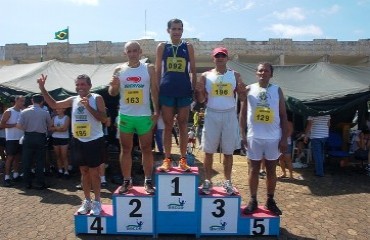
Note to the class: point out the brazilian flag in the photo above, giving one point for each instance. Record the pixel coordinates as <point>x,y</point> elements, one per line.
<point>62,35</point>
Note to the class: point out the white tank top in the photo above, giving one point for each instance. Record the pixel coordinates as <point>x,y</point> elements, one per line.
<point>13,133</point>
<point>220,89</point>
<point>85,127</point>
<point>60,122</point>
<point>263,118</point>
<point>135,91</point>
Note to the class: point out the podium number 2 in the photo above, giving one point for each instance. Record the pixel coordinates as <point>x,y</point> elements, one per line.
<point>134,213</point>
<point>176,182</point>
<point>258,227</point>
<point>220,207</point>
<point>96,225</point>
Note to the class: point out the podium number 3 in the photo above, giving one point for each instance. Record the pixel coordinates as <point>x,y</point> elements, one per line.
<point>220,207</point>
<point>134,213</point>
<point>176,182</point>
<point>96,225</point>
<point>258,227</point>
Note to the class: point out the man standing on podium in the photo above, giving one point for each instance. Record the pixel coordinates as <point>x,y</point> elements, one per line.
<point>88,114</point>
<point>265,114</point>
<point>217,88</point>
<point>136,83</point>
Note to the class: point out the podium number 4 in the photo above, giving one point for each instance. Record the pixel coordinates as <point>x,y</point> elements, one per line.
<point>96,225</point>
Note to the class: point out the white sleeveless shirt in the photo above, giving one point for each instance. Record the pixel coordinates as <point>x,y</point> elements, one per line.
<point>220,89</point>
<point>85,127</point>
<point>135,91</point>
<point>13,133</point>
<point>60,122</point>
<point>263,119</point>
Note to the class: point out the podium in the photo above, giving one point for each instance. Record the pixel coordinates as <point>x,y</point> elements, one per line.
<point>177,207</point>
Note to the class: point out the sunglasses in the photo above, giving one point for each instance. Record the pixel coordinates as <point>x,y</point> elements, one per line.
<point>220,55</point>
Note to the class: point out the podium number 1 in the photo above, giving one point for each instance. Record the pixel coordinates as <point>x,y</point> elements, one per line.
<point>134,213</point>
<point>220,207</point>
<point>176,182</point>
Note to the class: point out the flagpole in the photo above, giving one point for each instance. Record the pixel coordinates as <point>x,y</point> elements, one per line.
<point>68,35</point>
<point>145,25</point>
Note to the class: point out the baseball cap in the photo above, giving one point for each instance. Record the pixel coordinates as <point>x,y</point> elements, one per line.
<point>220,50</point>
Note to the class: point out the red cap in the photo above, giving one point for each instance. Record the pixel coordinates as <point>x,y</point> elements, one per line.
<point>220,50</point>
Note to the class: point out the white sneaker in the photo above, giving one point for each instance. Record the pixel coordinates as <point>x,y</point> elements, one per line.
<point>207,187</point>
<point>95,208</point>
<point>85,207</point>
<point>229,187</point>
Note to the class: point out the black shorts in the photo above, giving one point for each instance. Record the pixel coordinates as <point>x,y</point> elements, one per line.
<point>60,141</point>
<point>12,147</point>
<point>2,142</point>
<point>88,153</point>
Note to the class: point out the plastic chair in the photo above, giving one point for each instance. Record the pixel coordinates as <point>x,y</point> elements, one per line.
<point>334,146</point>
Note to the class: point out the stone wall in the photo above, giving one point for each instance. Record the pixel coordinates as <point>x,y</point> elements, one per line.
<point>278,51</point>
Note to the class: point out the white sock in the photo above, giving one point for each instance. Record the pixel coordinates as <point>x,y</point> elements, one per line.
<point>60,170</point>
<point>7,177</point>
<point>102,179</point>
<point>66,172</point>
<point>15,174</point>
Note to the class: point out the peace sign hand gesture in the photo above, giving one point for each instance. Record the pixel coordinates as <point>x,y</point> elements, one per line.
<point>41,81</point>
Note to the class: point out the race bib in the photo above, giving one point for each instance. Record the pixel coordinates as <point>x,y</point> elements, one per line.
<point>82,130</point>
<point>222,90</point>
<point>177,64</point>
<point>263,115</point>
<point>133,96</point>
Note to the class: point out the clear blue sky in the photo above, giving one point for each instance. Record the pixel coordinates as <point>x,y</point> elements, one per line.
<point>35,22</point>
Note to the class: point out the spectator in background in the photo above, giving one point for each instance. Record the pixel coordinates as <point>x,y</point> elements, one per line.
<point>13,135</point>
<point>317,129</point>
<point>285,159</point>
<point>2,139</point>
<point>35,122</point>
<point>198,119</point>
<point>159,135</point>
<point>61,136</point>
<point>105,126</point>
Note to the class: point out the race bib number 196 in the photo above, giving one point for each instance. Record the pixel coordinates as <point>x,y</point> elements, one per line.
<point>222,90</point>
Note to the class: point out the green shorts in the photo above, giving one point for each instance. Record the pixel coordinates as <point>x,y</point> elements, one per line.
<point>135,124</point>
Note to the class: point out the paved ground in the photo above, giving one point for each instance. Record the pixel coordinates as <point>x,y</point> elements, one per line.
<point>336,206</point>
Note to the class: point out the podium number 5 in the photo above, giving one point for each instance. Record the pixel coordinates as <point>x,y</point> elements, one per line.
<point>220,207</point>
<point>258,227</point>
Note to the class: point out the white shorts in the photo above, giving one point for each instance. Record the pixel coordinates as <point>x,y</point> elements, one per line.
<point>259,149</point>
<point>220,128</point>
